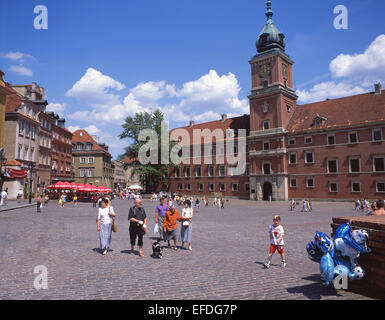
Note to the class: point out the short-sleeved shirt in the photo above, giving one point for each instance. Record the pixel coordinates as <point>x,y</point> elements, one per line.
<point>136,213</point>
<point>162,209</point>
<point>103,215</point>
<point>277,232</point>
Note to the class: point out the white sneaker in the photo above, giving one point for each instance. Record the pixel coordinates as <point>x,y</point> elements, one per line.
<point>283,264</point>
<point>266,265</point>
<point>190,248</point>
<point>104,252</point>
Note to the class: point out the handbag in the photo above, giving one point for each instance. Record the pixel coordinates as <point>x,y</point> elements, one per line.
<point>156,229</point>
<point>114,228</point>
<point>185,223</point>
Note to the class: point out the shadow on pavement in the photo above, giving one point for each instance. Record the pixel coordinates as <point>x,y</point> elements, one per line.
<point>316,290</point>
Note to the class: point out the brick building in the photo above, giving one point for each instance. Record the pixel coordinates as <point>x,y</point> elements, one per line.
<point>331,149</point>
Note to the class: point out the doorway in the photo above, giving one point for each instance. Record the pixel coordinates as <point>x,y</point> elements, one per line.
<point>267,191</point>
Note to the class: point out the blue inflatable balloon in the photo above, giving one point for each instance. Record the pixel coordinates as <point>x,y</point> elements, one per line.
<point>327,268</point>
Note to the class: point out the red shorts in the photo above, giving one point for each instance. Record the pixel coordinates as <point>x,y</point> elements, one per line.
<point>274,247</point>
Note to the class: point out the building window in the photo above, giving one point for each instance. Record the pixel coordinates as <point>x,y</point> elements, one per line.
<point>234,187</point>
<point>333,186</point>
<point>188,187</point>
<point>90,173</point>
<point>91,160</point>
<point>308,140</point>
<point>288,108</point>
<point>380,186</point>
<point>377,134</point>
<point>310,183</point>
<point>292,158</point>
<point>83,160</point>
<point>356,186</point>
<point>292,142</point>
<point>222,187</point>
<point>331,140</point>
<point>211,187</point>
<point>266,168</point>
<point>379,164</point>
<point>354,165</point>
<point>187,172</point>
<point>266,125</point>
<point>293,183</point>
<point>265,83</point>
<point>353,138</point>
<point>332,166</point>
<point>177,172</point>
<point>266,146</point>
<point>200,187</point>
<point>222,171</point>
<point>180,186</point>
<point>309,157</point>
<point>211,170</point>
<point>198,171</point>
<point>82,172</point>
<point>247,187</point>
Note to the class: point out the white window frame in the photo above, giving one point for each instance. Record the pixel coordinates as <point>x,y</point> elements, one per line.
<point>180,186</point>
<point>263,167</point>
<point>188,187</point>
<point>83,160</point>
<point>350,133</point>
<point>91,160</point>
<point>377,182</point>
<point>327,165</point>
<point>208,171</point>
<point>296,158</point>
<point>373,131</point>
<point>292,144</point>
<point>307,137</point>
<point>308,152</point>
<point>374,166</point>
<point>199,187</point>
<point>351,186</point>
<point>222,184</point>
<point>307,184</point>
<point>350,166</point>
<point>296,183</point>
<point>268,125</point>
<point>232,187</point>
<point>263,145</point>
<point>196,171</point>
<point>185,172</point>
<point>330,189</point>
<point>220,171</point>
<point>213,186</point>
<point>327,139</point>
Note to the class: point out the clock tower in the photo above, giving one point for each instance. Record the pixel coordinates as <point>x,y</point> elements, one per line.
<point>272,102</point>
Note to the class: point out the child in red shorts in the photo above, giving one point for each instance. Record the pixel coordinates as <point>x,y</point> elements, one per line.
<point>276,234</point>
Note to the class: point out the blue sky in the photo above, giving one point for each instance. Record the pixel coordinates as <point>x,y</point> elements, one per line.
<point>100,61</point>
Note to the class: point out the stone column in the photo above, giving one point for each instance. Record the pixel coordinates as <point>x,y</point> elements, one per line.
<point>275,191</point>
<point>259,191</point>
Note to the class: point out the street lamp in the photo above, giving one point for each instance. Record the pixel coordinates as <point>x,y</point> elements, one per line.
<point>30,168</point>
<point>3,162</point>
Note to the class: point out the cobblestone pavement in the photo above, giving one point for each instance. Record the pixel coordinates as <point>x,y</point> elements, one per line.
<point>229,247</point>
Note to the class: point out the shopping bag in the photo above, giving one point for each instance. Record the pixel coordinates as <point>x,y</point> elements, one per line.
<point>156,228</point>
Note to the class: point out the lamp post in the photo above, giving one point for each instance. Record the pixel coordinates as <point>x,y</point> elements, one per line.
<point>30,168</point>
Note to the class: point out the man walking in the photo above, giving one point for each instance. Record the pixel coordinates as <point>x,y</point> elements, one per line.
<point>160,212</point>
<point>3,197</point>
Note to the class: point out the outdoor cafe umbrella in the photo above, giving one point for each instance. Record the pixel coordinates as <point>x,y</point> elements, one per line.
<point>135,187</point>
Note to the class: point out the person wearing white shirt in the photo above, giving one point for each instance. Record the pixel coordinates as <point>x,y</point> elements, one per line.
<point>3,198</point>
<point>106,215</point>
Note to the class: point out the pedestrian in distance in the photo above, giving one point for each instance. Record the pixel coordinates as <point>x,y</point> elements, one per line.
<point>185,234</point>
<point>276,234</point>
<point>138,221</point>
<point>170,226</point>
<point>106,214</point>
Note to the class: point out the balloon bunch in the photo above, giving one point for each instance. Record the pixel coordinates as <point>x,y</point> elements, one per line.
<point>339,256</point>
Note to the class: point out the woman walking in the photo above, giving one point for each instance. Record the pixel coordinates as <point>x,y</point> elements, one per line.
<point>186,230</point>
<point>138,220</point>
<point>106,215</point>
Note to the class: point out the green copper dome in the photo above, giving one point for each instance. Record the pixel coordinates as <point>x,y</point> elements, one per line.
<point>270,37</point>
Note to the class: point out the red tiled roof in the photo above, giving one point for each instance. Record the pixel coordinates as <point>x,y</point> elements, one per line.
<point>86,137</point>
<point>242,122</point>
<point>128,160</point>
<point>13,100</point>
<point>363,109</point>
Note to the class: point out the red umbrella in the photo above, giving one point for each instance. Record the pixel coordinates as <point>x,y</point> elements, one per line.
<point>51,187</point>
<point>104,189</point>
<point>60,185</point>
<point>74,186</point>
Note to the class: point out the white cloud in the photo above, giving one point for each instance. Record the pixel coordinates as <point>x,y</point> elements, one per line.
<point>18,56</point>
<point>94,89</point>
<point>73,128</point>
<point>369,65</point>
<point>57,107</point>
<point>21,70</point>
<point>329,90</point>
<point>153,91</point>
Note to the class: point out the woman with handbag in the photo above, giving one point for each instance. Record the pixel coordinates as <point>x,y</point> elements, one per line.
<point>106,216</point>
<point>138,220</point>
<point>186,230</point>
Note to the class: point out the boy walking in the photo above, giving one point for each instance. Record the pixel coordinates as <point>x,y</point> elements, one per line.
<point>276,234</point>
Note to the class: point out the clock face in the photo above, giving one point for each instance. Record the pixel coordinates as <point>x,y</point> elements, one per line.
<point>264,70</point>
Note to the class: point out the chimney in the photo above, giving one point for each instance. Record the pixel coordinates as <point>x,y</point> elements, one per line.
<point>192,122</point>
<point>33,91</point>
<point>224,117</point>
<point>377,88</point>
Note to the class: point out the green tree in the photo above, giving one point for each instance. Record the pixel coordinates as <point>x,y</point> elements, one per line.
<point>151,175</point>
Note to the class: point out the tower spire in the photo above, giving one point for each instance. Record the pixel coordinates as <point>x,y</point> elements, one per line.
<point>269,13</point>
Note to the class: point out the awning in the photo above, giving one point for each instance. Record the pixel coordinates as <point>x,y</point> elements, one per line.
<point>14,173</point>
